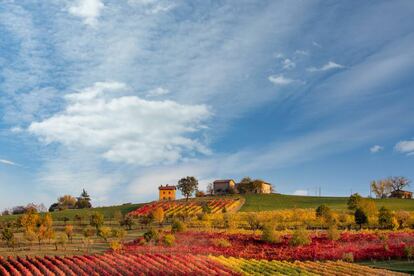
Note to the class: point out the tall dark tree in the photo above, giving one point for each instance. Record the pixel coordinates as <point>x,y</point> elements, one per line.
<point>360,217</point>
<point>187,186</point>
<point>84,201</point>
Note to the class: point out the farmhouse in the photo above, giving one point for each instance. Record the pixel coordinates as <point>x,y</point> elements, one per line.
<point>229,186</point>
<point>167,192</point>
<point>224,186</point>
<point>401,194</point>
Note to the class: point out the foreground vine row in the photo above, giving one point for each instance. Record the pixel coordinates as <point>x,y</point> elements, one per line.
<point>179,264</point>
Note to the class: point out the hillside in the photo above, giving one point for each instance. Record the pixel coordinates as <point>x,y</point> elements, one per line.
<point>255,202</point>
<point>108,212</point>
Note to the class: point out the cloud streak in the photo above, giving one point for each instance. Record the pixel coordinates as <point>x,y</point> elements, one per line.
<point>406,147</point>
<point>329,66</point>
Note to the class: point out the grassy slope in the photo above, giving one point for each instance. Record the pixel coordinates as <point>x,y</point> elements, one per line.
<point>256,202</point>
<point>395,265</point>
<point>107,211</point>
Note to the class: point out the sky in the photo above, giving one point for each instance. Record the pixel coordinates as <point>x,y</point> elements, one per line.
<point>121,96</point>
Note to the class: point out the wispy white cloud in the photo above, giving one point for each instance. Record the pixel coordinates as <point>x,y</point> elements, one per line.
<point>288,64</point>
<point>280,80</point>
<point>376,149</point>
<point>89,10</point>
<point>125,128</point>
<point>329,66</point>
<point>406,147</point>
<point>8,162</point>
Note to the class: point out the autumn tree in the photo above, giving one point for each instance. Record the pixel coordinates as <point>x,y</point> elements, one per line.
<point>187,186</point>
<point>69,231</point>
<point>96,220</point>
<point>158,215</point>
<point>381,188</point>
<point>66,202</point>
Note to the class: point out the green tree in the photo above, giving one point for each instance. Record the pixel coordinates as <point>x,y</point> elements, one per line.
<point>385,218</point>
<point>187,186</point>
<point>8,236</point>
<point>83,201</point>
<point>360,217</point>
<point>353,201</point>
<point>151,235</point>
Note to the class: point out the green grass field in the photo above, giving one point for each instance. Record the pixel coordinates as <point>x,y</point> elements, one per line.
<point>108,212</point>
<point>395,265</point>
<point>255,202</point>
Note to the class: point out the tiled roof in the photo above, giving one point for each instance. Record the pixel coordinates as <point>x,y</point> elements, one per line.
<point>167,187</point>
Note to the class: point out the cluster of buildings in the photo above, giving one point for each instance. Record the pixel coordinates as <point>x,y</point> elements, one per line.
<point>220,187</point>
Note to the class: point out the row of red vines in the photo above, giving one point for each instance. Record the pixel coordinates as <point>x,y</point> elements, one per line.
<point>113,264</point>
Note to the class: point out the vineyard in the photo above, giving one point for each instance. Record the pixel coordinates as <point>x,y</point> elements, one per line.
<point>191,207</point>
<point>156,264</point>
<point>264,267</point>
<point>362,246</point>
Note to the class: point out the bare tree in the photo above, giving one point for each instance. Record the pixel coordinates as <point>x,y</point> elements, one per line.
<point>398,182</point>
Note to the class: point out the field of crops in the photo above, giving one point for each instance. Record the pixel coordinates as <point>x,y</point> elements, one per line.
<point>362,246</point>
<point>191,207</point>
<point>156,264</point>
<point>264,267</point>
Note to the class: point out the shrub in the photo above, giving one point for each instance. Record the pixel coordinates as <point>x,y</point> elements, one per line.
<point>221,243</point>
<point>151,235</point>
<point>409,251</point>
<point>62,240</point>
<point>206,209</point>
<point>169,240</point>
<point>178,226</point>
<point>253,221</point>
<point>333,233</point>
<point>119,233</point>
<point>402,218</point>
<point>115,245</point>
<point>300,237</point>
<point>385,218</point>
<point>270,235</point>
<point>88,232</point>
<point>348,257</point>
<point>322,211</point>
<point>105,232</point>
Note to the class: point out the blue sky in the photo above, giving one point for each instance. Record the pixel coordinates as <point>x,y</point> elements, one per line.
<point>119,97</point>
